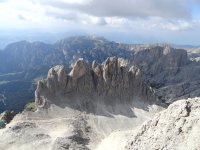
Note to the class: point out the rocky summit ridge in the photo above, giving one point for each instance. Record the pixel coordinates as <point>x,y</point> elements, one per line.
<point>112,82</point>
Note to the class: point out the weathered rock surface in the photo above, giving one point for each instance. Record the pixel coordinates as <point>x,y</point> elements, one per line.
<point>177,127</point>
<point>110,83</point>
<point>59,128</point>
<point>169,72</point>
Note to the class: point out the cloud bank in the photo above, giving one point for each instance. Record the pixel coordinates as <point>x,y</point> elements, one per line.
<point>139,17</point>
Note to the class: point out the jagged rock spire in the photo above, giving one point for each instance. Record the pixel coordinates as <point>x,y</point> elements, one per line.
<point>111,82</point>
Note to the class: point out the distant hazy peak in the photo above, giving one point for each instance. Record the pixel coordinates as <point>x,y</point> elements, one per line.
<point>83,38</point>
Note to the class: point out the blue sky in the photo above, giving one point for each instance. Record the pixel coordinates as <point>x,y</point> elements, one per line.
<point>133,21</point>
<point>196,11</point>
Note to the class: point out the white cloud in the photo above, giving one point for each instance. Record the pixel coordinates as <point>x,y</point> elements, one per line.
<point>103,12</point>
<point>151,23</point>
<point>138,17</point>
<point>177,26</point>
<point>82,2</point>
<point>125,8</point>
<point>174,15</point>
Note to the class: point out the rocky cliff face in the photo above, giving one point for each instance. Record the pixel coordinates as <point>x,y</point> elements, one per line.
<point>177,127</point>
<point>160,65</point>
<point>169,71</point>
<point>109,83</point>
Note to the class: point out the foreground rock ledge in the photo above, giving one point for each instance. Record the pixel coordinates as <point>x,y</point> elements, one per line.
<point>177,127</point>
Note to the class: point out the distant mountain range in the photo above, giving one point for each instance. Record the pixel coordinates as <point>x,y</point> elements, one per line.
<point>23,63</point>
<point>24,55</point>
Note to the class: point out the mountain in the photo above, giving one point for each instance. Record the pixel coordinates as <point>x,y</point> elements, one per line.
<point>169,72</point>
<point>93,94</point>
<point>23,63</point>
<point>77,109</point>
<point>24,55</point>
<point>172,73</point>
<point>107,106</point>
<point>193,51</point>
<point>109,83</point>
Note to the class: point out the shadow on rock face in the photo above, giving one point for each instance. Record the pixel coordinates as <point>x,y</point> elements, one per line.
<point>103,89</point>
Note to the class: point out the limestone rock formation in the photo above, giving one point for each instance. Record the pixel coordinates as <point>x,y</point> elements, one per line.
<point>167,70</point>
<point>111,82</point>
<point>160,64</point>
<point>177,127</point>
<point>170,72</point>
